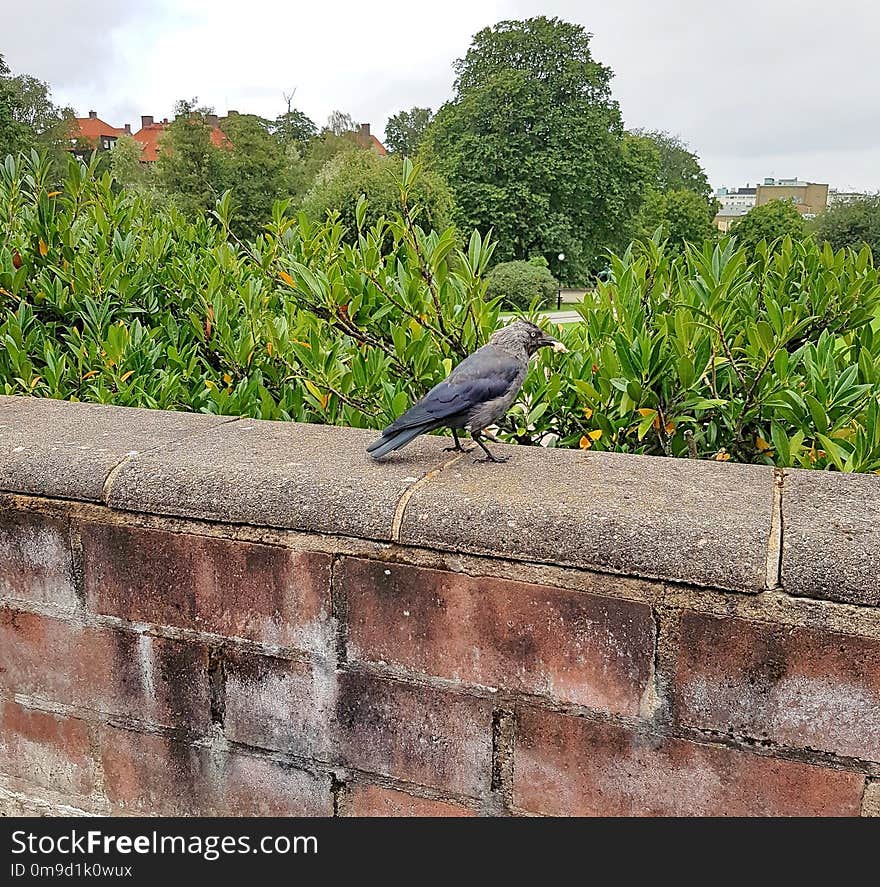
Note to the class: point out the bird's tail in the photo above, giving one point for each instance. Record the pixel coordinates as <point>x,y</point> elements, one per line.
<point>395,441</point>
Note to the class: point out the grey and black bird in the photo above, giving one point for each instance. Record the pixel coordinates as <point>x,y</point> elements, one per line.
<point>476,394</point>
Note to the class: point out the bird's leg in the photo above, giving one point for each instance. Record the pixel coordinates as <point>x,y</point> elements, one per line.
<point>477,436</point>
<point>458,448</point>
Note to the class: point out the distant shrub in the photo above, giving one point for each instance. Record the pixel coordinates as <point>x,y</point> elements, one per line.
<point>520,283</point>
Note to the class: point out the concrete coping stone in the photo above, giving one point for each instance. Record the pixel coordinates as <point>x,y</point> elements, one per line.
<point>712,524</point>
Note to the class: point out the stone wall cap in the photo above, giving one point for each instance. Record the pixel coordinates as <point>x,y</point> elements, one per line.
<point>831,543</point>
<point>315,478</point>
<point>67,449</point>
<point>683,520</point>
<point>688,520</point>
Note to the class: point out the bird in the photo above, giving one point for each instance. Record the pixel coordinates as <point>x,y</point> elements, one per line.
<point>476,394</point>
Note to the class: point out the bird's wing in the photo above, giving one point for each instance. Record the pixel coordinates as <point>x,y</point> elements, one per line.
<point>484,375</point>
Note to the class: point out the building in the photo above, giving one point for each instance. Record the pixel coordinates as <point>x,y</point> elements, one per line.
<point>725,218</point>
<point>736,198</point>
<point>93,134</point>
<point>809,198</point>
<point>734,203</point>
<point>148,136</point>
<point>366,139</point>
<point>151,130</point>
<point>836,197</point>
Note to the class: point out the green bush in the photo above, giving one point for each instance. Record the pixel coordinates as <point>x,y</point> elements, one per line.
<point>350,174</point>
<point>707,355</point>
<point>854,224</point>
<point>106,297</point>
<point>769,223</point>
<point>520,285</point>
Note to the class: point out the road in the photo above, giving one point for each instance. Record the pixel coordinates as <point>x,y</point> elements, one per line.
<point>562,316</point>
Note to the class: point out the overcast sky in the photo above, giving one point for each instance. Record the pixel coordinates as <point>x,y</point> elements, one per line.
<point>757,87</point>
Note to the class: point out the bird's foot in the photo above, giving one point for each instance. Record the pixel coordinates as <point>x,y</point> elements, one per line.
<point>458,449</point>
<point>499,459</point>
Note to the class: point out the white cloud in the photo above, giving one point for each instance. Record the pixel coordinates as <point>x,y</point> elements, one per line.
<point>787,84</point>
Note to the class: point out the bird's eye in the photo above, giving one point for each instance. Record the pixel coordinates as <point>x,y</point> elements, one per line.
<point>534,335</point>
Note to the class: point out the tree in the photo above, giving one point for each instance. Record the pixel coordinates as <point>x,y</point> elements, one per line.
<point>405,131</point>
<point>350,174</point>
<point>684,216</point>
<point>769,222</point>
<point>340,123</point>
<point>678,167</point>
<point>256,169</point>
<point>125,163</point>
<point>852,224</point>
<point>28,116</point>
<point>190,166</point>
<point>532,145</point>
<point>294,127</point>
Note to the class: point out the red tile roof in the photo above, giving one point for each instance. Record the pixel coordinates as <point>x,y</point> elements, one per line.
<point>148,136</point>
<point>94,128</point>
<point>365,139</point>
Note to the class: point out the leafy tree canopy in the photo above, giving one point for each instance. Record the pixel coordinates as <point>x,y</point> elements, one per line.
<point>532,145</point>
<point>678,167</point>
<point>28,116</point>
<point>404,132</point>
<point>256,171</point>
<point>351,174</point>
<point>190,166</point>
<point>684,216</point>
<point>294,127</point>
<point>339,123</point>
<point>852,224</point>
<point>769,222</point>
<point>125,163</point>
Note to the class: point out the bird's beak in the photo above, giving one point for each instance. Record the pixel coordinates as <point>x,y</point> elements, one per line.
<point>557,346</point>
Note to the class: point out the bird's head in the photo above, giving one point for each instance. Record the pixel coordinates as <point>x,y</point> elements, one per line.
<point>525,335</point>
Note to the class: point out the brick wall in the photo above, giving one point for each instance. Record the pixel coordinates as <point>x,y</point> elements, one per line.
<point>207,616</point>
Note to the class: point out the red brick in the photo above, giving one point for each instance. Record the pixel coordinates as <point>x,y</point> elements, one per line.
<point>795,686</point>
<point>147,774</point>
<point>36,563</point>
<point>280,704</point>
<point>871,800</point>
<point>568,766</point>
<point>417,734</point>
<point>122,673</point>
<point>372,800</point>
<point>46,749</point>
<point>238,589</point>
<point>576,647</point>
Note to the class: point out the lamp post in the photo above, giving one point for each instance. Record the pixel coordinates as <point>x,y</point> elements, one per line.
<point>561,258</point>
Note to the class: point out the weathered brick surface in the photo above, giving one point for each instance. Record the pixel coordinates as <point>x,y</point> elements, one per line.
<point>795,686</point>
<point>871,800</point>
<point>580,648</point>
<point>157,775</point>
<point>395,729</point>
<point>114,672</point>
<point>280,704</point>
<point>415,733</point>
<point>260,592</point>
<point>36,563</point>
<point>13,803</point>
<point>362,799</point>
<point>45,749</point>
<point>565,765</point>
